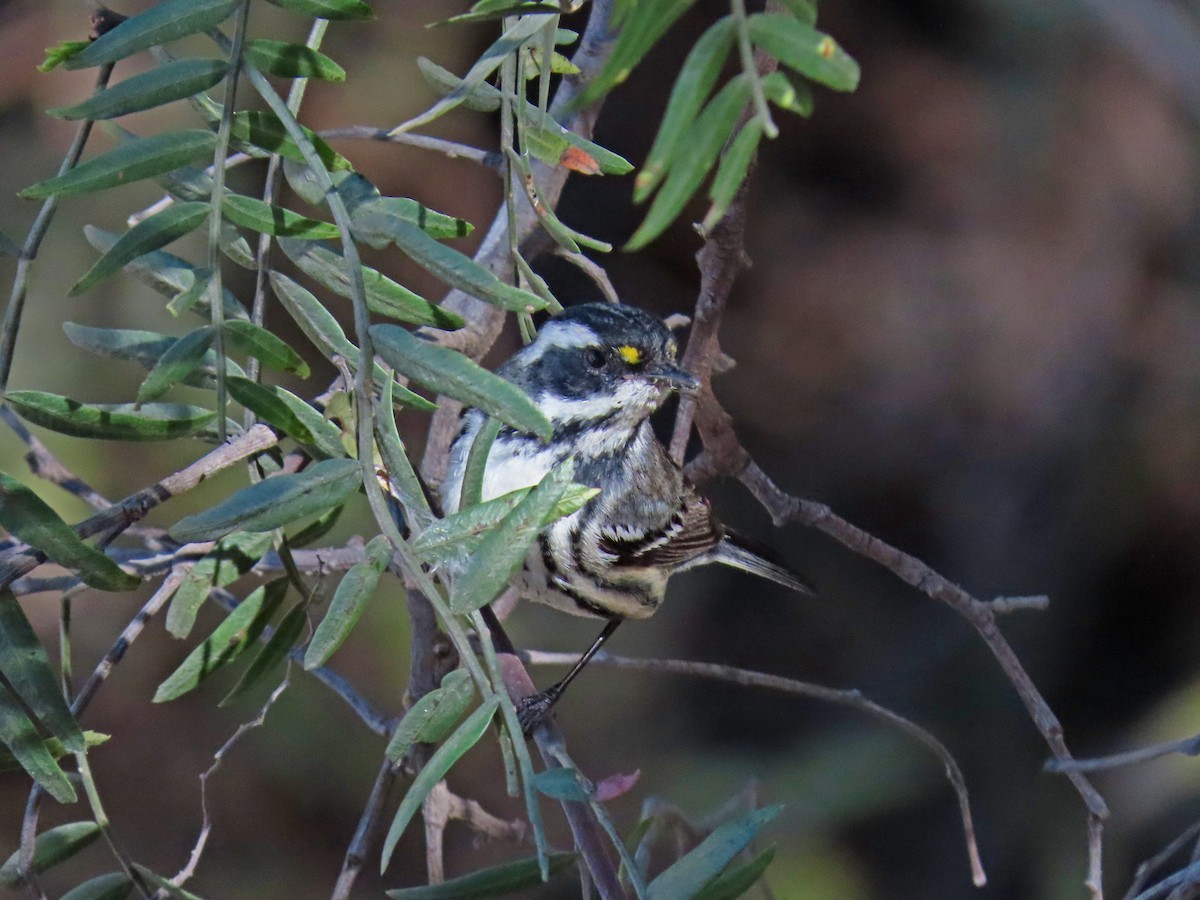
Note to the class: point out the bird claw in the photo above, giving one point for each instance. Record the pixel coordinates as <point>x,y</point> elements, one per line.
<point>534,710</point>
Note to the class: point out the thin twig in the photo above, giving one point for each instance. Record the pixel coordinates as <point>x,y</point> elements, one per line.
<point>364,833</point>
<point>1186,746</point>
<point>593,270</point>
<point>851,698</point>
<point>45,464</point>
<point>1150,866</point>
<point>489,159</point>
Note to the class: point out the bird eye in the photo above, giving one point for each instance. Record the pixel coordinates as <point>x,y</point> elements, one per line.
<point>594,357</point>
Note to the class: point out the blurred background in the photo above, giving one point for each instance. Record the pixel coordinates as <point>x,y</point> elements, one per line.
<point>972,327</point>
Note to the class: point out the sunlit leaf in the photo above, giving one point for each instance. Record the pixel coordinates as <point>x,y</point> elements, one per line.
<point>30,519</point>
<point>349,601</point>
<point>501,552</point>
<point>256,215</point>
<point>262,129</point>
<point>60,53</point>
<point>453,374</point>
<point>292,60</point>
<point>273,502</point>
<point>463,739</point>
<point>495,881</point>
<point>167,21</point>
<point>164,84</point>
<point>49,849</point>
<point>433,716</point>
<point>112,422</point>
<point>131,161</point>
<point>146,236</point>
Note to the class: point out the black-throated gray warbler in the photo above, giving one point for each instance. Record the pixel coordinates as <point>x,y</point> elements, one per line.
<point>597,371</point>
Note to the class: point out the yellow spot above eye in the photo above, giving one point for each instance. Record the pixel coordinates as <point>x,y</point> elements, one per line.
<point>631,355</point>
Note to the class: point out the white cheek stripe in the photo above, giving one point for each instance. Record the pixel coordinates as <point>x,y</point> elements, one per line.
<point>555,335</point>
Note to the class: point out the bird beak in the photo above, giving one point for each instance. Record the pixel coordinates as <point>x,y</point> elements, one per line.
<point>672,376</point>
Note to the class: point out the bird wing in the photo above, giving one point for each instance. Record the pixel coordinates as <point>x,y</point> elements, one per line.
<point>690,532</point>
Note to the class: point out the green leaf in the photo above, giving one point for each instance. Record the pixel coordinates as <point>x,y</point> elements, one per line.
<point>801,47</point>
<point>502,551</point>
<point>180,360</point>
<point>467,735</point>
<point>31,520</point>
<point>144,348</point>
<point>514,36</point>
<point>692,87</point>
<point>698,152</point>
<point>131,161</point>
<point>53,746</point>
<point>319,325</point>
<point>495,881</point>
<point>789,92</point>
<point>60,53</point>
<point>384,296</point>
<point>804,10</point>
<point>262,129</point>
<point>49,849</point>
<point>732,172</point>
<point>641,30</point>
<point>457,535</point>
<point>316,529</point>
<point>703,864</point>
<point>292,61</point>
<point>545,144</point>
<point>273,352</point>
<point>110,421</point>
<point>263,402</point>
<point>372,220</point>
<point>397,471</point>
<point>433,716</point>
<point>168,275</point>
<point>228,641</point>
<point>735,881</point>
<point>232,558</point>
<point>449,372</point>
<point>164,84</point>
<point>349,601</point>
<point>28,751</point>
<point>560,783</point>
<point>24,663</point>
<point>481,97</point>
<point>146,236</point>
<point>167,21</point>
<point>342,10</point>
<point>274,502</point>
<point>481,12</point>
<point>273,652</point>
<point>263,217</point>
<point>167,887</point>
<point>113,886</point>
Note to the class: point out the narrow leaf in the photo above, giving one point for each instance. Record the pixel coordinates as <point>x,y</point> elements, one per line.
<point>169,82</point>
<point>113,886</point>
<point>467,735</point>
<point>27,749</point>
<point>131,161</point>
<point>274,502</point>
<point>292,60</point>
<point>144,348</point>
<point>433,716</point>
<point>560,783</point>
<point>30,519</point>
<point>703,864</point>
<point>49,849</point>
<point>342,10</point>
<point>226,643</point>
<point>699,150</point>
<point>146,236</point>
<point>401,479</point>
<point>263,217</point>
<point>262,129</point>
<point>804,10</point>
<point>502,551</point>
<point>228,561</point>
<point>693,85</point>
<point>273,652</point>
<point>60,53</point>
<point>273,352</point>
<point>263,402</point>
<point>495,881</point>
<point>384,296</point>
<point>789,92</point>
<point>801,47</point>
<point>167,21</point>
<point>449,372</point>
<point>111,422</point>
<point>322,435</point>
<point>732,172</point>
<point>53,746</point>
<point>349,601</point>
<point>736,880</point>
<point>179,361</point>
<point>372,221</point>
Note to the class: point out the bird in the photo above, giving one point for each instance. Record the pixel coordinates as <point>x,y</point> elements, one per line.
<point>597,372</point>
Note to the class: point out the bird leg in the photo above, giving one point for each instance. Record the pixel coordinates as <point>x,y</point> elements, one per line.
<point>533,710</point>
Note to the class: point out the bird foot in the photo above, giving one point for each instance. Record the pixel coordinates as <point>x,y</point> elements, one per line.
<point>534,710</point>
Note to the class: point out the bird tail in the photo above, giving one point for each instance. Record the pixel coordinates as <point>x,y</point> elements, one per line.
<point>757,559</point>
